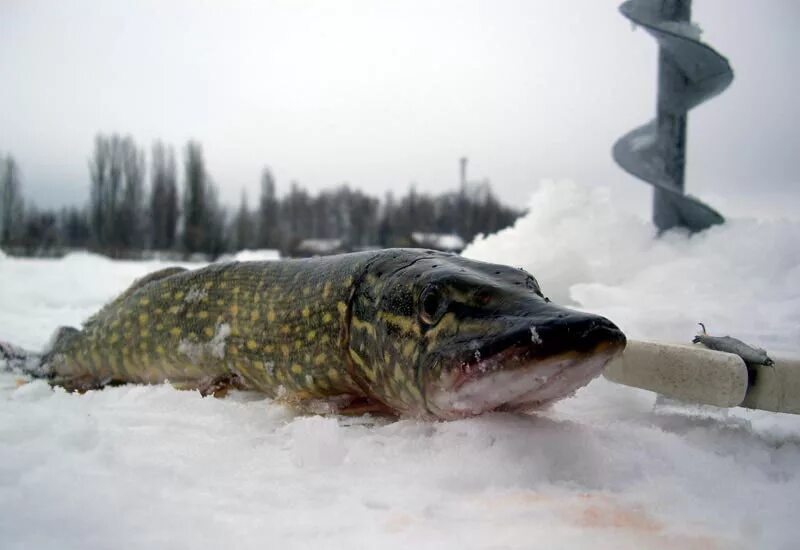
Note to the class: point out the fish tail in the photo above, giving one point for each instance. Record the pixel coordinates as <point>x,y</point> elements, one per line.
<point>20,361</point>
<point>37,365</point>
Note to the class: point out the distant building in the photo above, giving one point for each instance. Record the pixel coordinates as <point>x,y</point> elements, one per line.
<point>448,242</point>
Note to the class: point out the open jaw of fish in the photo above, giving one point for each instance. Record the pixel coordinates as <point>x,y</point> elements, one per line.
<point>521,376</point>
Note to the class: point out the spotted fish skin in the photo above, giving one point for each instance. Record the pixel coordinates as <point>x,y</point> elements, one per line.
<point>277,326</point>
<point>410,331</point>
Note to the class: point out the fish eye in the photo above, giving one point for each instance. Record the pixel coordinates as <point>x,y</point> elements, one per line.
<point>432,305</point>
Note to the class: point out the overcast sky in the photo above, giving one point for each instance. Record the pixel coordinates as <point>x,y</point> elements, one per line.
<point>381,94</point>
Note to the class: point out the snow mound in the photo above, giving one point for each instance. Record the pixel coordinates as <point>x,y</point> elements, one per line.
<point>738,278</point>
<point>257,255</point>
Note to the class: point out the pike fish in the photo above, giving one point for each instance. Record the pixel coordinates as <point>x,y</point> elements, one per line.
<point>410,332</point>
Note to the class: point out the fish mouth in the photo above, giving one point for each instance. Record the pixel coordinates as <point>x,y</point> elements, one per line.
<point>527,368</point>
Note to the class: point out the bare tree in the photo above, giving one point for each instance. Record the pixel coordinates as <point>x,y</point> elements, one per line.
<point>203,222</point>
<point>163,197</point>
<point>243,226</point>
<point>11,204</point>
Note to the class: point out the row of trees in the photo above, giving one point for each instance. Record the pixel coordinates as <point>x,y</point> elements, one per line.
<point>124,218</point>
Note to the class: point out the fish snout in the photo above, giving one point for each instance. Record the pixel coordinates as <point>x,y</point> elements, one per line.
<point>575,331</point>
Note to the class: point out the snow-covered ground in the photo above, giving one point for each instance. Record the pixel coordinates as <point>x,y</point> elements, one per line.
<point>153,467</point>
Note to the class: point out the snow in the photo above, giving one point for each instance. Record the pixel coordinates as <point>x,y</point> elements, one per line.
<point>259,255</point>
<point>154,467</point>
<point>439,241</point>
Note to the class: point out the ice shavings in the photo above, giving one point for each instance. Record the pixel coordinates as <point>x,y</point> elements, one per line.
<point>195,294</point>
<point>215,347</point>
<point>740,278</point>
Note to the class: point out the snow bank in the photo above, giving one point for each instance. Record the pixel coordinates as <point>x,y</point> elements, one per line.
<point>739,278</point>
<point>153,467</point>
<point>257,255</point>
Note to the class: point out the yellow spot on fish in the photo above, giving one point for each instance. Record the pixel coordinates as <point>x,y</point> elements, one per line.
<point>405,324</point>
<point>234,310</point>
<point>233,349</point>
<point>298,345</point>
<point>297,369</point>
<point>363,325</point>
<point>190,315</point>
<point>174,309</point>
<point>160,326</point>
<point>143,318</point>
<point>144,301</point>
<point>179,295</point>
<point>220,302</point>
<point>158,311</point>
<point>319,359</point>
<point>143,346</point>
<point>144,333</point>
<point>113,338</point>
<point>323,384</point>
<point>251,345</point>
<point>160,350</point>
<point>166,295</point>
<point>326,290</point>
<point>236,290</point>
<point>412,389</point>
<point>311,335</point>
<point>348,281</point>
<point>208,284</point>
<point>115,323</point>
<point>270,316</point>
<point>333,374</point>
<point>306,291</point>
<point>285,350</point>
<point>325,339</point>
<point>175,331</point>
<point>306,312</point>
<point>408,348</point>
<point>280,376</point>
<point>342,307</point>
<point>202,314</point>
<point>208,331</point>
<point>254,315</point>
<point>327,318</point>
<point>269,348</point>
<point>285,329</point>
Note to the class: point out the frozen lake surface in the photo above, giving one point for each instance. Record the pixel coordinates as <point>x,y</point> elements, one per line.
<point>153,467</point>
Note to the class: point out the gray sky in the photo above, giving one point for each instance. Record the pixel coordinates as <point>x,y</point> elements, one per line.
<point>381,94</point>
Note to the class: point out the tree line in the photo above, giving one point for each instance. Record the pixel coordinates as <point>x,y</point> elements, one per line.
<point>127,218</point>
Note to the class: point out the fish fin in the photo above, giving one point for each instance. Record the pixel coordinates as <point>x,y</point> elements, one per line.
<point>364,405</point>
<point>81,383</point>
<point>219,386</point>
<point>16,359</point>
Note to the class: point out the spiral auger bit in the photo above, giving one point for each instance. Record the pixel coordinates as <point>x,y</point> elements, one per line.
<point>689,73</point>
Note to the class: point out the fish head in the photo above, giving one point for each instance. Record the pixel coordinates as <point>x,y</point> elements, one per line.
<point>452,337</point>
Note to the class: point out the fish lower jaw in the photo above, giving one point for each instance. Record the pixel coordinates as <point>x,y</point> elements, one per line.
<point>521,389</point>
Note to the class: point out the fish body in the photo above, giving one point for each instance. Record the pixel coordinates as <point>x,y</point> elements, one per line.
<point>408,331</point>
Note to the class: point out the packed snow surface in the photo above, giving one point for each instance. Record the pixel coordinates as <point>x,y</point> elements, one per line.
<point>154,467</point>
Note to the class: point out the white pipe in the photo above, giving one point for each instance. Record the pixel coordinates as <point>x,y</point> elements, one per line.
<point>696,374</point>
